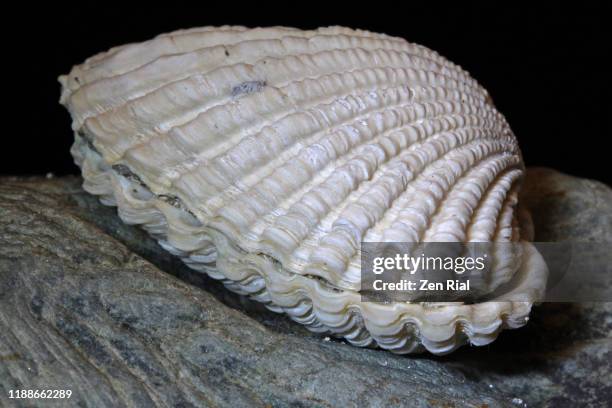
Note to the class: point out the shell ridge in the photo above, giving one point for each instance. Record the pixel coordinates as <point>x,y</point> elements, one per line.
<point>258,247</point>
<point>216,49</point>
<point>380,136</point>
<point>169,38</point>
<point>421,187</point>
<point>123,132</point>
<point>189,33</point>
<point>490,207</point>
<point>345,122</point>
<point>356,193</point>
<point>460,208</point>
<point>356,57</point>
<point>353,255</point>
<point>282,91</point>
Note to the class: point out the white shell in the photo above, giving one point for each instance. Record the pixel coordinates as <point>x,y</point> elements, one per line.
<point>263,157</point>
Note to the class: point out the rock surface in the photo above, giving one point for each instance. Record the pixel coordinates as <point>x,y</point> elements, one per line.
<point>92,305</point>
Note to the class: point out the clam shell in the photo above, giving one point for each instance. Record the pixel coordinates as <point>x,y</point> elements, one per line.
<point>264,157</point>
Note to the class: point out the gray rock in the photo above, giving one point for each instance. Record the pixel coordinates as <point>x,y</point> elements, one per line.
<point>567,208</point>
<point>92,305</point>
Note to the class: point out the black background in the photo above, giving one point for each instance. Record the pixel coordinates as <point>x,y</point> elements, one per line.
<point>547,69</point>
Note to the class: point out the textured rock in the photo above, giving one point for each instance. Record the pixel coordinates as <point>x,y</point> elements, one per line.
<point>86,304</point>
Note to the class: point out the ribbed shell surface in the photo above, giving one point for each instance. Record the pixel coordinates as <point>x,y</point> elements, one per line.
<point>299,145</point>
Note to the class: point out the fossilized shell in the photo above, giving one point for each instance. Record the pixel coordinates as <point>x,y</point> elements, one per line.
<point>263,157</point>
